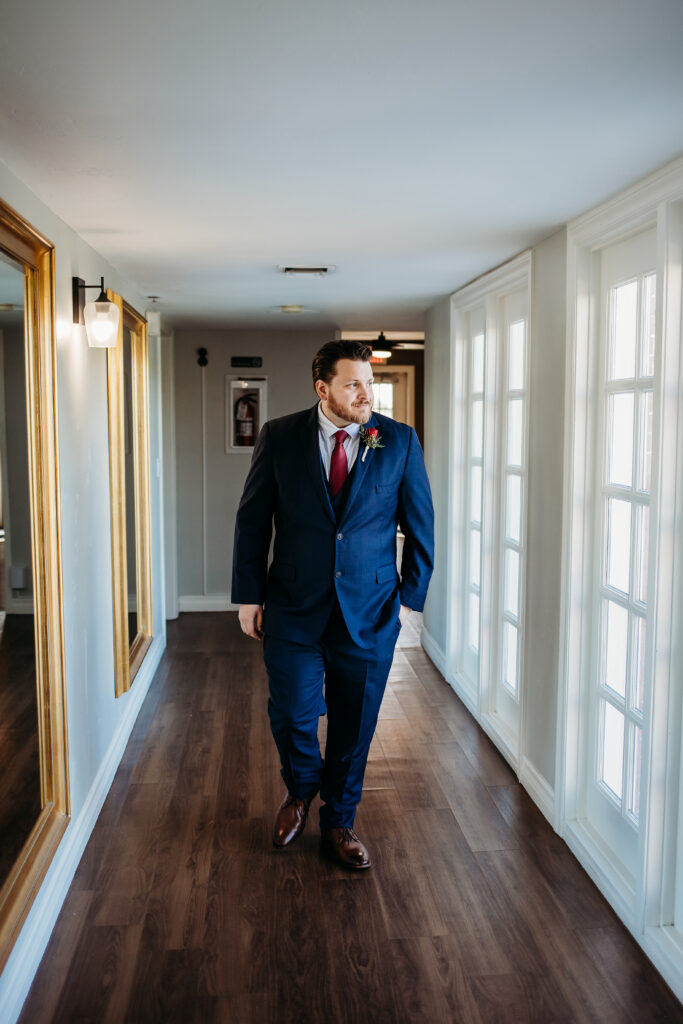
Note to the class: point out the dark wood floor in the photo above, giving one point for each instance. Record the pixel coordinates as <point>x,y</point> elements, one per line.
<point>473,911</point>
<point>19,758</point>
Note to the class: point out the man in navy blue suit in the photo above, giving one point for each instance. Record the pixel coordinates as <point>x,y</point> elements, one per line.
<point>336,480</point>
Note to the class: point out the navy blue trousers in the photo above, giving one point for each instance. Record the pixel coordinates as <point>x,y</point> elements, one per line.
<point>355,680</point>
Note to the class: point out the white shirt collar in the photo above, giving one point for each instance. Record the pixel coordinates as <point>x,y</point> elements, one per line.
<point>329,428</point>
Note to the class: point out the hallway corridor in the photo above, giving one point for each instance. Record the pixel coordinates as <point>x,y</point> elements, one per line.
<point>182,911</point>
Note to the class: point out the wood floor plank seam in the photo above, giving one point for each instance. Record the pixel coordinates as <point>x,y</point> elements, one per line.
<point>474,912</point>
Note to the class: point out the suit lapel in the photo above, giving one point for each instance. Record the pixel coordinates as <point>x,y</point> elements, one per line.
<point>311,446</point>
<point>359,471</point>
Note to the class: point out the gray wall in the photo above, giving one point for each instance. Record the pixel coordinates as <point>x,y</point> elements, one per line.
<point>209,479</point>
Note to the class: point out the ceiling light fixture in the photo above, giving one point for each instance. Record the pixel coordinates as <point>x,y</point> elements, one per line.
<point>101,317</point>
<point>292,270</point>
<point>397,339</point>
<point>380,349</point>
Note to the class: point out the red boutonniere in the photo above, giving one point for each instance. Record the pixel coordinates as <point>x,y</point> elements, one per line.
<point>371,439</point>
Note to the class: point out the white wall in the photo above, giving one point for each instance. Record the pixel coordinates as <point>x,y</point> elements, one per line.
<point>98,724</point>
<point>547,324</point>
<point>437,419</point>
<point>210,480</point>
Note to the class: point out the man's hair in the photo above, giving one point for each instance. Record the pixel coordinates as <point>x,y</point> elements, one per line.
<point>325,361</point>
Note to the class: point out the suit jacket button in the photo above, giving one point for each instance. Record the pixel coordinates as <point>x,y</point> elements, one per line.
<point>339,536</point>
<point>337,574</point>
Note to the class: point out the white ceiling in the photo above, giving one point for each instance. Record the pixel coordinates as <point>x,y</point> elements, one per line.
<point>413,145</point>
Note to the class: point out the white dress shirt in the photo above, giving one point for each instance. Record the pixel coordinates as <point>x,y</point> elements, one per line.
<point>326,431</point>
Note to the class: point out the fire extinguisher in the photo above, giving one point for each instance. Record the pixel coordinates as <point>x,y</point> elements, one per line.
<point>244,421</point>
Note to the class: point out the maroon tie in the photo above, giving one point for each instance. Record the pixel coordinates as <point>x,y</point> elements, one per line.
<point>339,467</point>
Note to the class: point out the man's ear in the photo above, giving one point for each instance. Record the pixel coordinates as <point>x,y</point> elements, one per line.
<point>321,389</point>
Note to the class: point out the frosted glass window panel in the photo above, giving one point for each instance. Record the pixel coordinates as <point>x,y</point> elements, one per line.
<point>642,551</point>
<point>475,558</point>
<point>624,331</point>
<point>639,653</point>
<point>510,642</point>
<point>516,356</point>
<point>636,759</point>
<point>475,496</point>
<point>612,748</point>
<point>621,439</point>
<point>512,582</point>
<point>618,544</point>
<point>649,305</point>
<point>478,364</point>
<point>473,624</point>
<point>513,508</point>
<point>615,645</point>
<point>477,429</point>
<point>515,432</point>
<point>384,398</point>
<point>645,446</point>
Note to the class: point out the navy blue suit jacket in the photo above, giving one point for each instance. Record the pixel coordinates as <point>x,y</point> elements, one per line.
<point>314,556</point>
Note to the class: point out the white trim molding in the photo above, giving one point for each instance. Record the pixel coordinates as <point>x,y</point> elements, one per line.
<point>24,960</point>
<point>538,788</point>
<point>475,682</point>
<point>19,605</point>
<point>434,651</point>
<point>206,603</point>
<point>649,901</point>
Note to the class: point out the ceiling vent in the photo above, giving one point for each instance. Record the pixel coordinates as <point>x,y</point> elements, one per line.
<point>293,270</point>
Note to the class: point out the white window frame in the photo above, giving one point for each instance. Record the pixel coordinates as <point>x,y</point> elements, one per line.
<point>470,663</point>
<point>508,394</point>
<point>646,903</point>
<point>487,292</point>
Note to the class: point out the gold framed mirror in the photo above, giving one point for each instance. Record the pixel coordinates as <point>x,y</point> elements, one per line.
<point>33,672</point>
<point>127,367</point>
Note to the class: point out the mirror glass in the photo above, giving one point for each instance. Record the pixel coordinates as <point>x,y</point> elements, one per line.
<point>129,451</point>
<point>20,792</point>
<point>127,365</point>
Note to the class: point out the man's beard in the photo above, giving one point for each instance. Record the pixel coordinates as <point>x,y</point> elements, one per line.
<point>352,413</point>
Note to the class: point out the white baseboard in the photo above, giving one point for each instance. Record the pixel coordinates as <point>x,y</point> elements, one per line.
<point>466,695</point>
<point>19,605</point>
<point>436,654</point>
<point>599,861</point>
<point>539,789</point>
<point>664,946</point>
<point>24,960</point>
<point>206,603</point>
<point>502,738</point>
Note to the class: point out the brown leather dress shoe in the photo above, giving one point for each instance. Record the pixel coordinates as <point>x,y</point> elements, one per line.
<point>290,820</point>
<point>344,846</point>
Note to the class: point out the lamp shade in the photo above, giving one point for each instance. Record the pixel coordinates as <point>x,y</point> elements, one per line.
<point>380,349</point>
<point>101,322</point>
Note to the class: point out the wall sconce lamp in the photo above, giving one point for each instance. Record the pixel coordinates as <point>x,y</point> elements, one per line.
<point>380,350</point>
<point>101,317</point>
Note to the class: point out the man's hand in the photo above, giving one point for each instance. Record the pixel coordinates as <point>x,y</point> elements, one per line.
<point>251,620</point>
<point>404,613</point>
